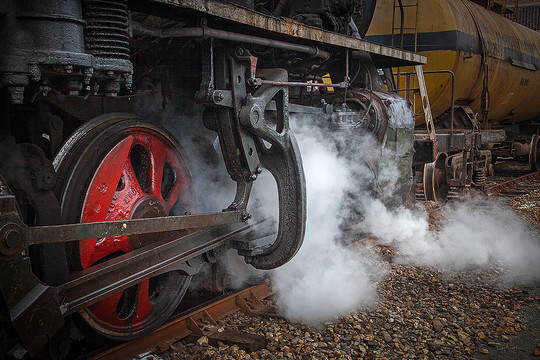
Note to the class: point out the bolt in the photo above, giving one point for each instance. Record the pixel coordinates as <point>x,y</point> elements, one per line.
<point>16,94</point>
<point>11,238</point>
<point>371,126</point>
<point>253,177</point>
<point>69,69</point>
<point>48,177</point>
<point>371,110</point>
<point>56,122</point>
<point>218,96</point>
<point>239,51</point>
<point>246,216</point>
<point>255,117</point>
<point>258,170</point>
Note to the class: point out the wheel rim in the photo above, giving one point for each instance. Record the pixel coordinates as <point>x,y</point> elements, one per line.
<point>435,183</point>
<point>118,168</point>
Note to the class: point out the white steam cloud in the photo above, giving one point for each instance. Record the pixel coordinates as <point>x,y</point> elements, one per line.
<point>476,231</point>
<point>326,279</point>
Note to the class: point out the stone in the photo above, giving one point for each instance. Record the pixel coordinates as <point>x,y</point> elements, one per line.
<point>437,325</point>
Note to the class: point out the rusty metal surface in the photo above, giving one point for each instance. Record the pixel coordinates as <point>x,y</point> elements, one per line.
<point>180,327</point>
<point>294,29</point>
<point>228,35</point>
<point>71,232</point>
<point>510,187</point>
<point>463,139</point>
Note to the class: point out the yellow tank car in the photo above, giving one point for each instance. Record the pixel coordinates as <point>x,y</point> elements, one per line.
<point>466,38</point>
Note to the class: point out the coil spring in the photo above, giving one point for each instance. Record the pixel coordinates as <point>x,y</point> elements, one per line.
<point>479,177</point>
<point>106,33</point>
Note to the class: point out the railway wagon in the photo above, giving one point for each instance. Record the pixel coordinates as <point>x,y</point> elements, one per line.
<point>124,124</point>
<point>483,75</point>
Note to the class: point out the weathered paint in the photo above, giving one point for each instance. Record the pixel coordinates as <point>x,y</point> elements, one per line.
<point>291,28</point>
<point>454,44</point>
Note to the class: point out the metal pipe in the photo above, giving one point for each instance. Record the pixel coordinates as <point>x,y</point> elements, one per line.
<point>227,35</point>
<point>259,81</point>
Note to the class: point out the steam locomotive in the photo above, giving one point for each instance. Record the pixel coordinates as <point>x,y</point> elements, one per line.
<point>117,118</point>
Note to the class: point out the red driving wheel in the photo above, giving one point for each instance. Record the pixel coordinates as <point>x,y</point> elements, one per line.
<point>117,167</point>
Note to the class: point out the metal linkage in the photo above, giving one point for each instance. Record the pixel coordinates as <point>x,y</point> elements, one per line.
<point>71,232</point>
<point>242,134</point>
<point>42,308</point>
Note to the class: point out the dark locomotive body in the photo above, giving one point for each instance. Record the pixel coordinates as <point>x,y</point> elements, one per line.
<point>88,89</point>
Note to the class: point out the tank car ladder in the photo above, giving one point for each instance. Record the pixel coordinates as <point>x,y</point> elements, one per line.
<point>398,4</point>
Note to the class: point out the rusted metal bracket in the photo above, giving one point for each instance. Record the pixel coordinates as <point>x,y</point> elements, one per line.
<point>252,306</point>
<point>204,329</point>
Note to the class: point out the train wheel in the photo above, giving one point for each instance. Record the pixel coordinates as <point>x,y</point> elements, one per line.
<point>117,167</point>
<point>435,185</point>
<point>534,154</point>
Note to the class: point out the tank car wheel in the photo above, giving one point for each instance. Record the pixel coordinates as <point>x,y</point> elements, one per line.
<point>118,167</point>
<point>435,184</point>
<point>534,154</point>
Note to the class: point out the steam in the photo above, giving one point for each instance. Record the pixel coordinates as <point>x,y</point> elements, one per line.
<point>328,279</point>
<point>476,231</point>
<point>325,279</point>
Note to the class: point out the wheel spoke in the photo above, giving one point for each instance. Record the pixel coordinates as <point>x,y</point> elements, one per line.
<point>103,186</point>
<point>101,193</point>
<point>106,309</point>
<point>178,188</point>
<point>132,189</point>
<point>158,154</point>
<point>144,306</point>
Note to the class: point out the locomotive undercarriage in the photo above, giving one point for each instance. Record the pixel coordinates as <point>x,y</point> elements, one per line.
<point>467,154</point>
<point>467,151</point>
<point>101,219</point>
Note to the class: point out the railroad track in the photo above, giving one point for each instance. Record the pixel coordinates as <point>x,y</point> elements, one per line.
<point>516,186</point>
<point>200,324</point>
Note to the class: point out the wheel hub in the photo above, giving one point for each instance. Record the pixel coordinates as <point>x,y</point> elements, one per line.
<point>146,208</point>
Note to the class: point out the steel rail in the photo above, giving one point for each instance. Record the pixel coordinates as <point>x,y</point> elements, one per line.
<point>511,184</point>
<point>182,326</point>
